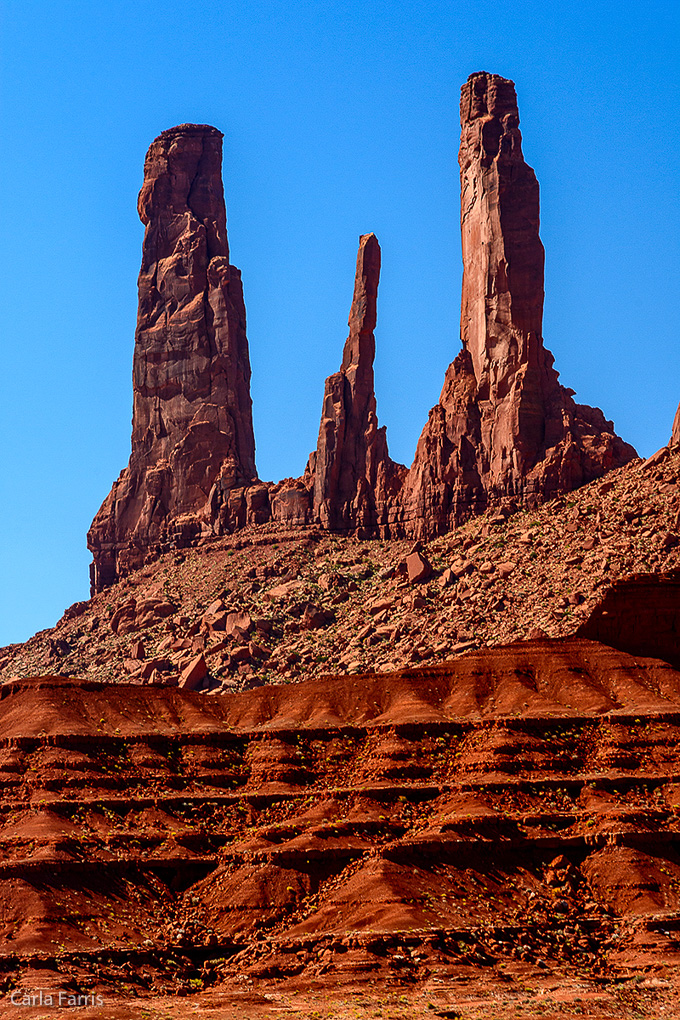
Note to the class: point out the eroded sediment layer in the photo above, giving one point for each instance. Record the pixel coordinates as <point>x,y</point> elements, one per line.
<point>518,805</point>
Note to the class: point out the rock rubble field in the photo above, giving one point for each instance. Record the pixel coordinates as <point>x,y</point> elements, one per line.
<point>274,605</point>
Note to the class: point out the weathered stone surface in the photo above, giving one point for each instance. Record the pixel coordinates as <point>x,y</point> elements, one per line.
<point>238,625</point>
<point>504,427</point>
<point>519,801</point>
<point>291,501</point>
<point>504,433</point>
<point>351,476</point>
<point>192,433</point>
<point>314,617</point>
<point>418,567</point>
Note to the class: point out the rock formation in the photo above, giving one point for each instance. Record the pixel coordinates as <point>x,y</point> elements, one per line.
<point>193,449</point>
<point>504,428</point>
<point>640,614</point>
<point>675,434</point>
<point>351,474</point>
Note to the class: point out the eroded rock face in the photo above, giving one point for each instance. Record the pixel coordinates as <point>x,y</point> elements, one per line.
<point>351,478</point>
<point>504,427</point>
<point>353,475</point>
<point>367,813</point>
<point>504,430</point>
<point>193,449</point>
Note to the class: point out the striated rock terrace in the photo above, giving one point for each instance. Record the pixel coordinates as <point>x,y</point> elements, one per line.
<point>467,834</point>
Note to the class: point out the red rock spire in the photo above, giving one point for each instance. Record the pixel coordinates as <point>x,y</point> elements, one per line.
<point>192,418</point>
<point>504,426</point>
<point>675,434</point>
<point>353,476</point>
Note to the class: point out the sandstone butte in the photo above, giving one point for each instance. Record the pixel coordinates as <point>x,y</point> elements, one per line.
<point>504,430</point>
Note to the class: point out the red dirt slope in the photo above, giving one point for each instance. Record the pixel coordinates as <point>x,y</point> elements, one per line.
<point>474,829</point>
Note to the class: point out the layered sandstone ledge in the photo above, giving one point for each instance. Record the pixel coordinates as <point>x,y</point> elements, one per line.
<point>477,829</point>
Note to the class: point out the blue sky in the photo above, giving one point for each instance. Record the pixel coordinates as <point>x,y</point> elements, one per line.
<point>338,119</point>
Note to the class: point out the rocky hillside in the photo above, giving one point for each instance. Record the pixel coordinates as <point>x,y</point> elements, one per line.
<point>271,604</point>
<point>375,741</point>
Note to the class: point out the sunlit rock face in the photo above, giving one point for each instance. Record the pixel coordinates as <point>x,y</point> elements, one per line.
<point>504,430</point>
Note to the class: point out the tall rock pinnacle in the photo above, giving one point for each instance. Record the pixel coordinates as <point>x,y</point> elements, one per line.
<point>353,476</point>
<point>502,299</point>
<point>192,417</point>
<point>504,426</point>
<point>504,429</point>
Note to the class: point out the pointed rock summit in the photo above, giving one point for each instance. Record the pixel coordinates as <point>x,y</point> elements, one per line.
<point>675,434</point>
<point>353,476</point>
<point>504,427</point>
<point>192,430</point>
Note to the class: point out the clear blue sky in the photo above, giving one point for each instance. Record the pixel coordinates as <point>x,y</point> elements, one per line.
<point>339,118</point>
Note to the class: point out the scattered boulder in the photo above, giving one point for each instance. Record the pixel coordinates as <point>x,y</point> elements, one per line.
<point>283,591</point>
<point>58,647</point>
<point>137,650</point>
<point>380,606</point>
<point>124,619</point>
<point>238,625</point>
<point>193,674</point>
<point>241,654</point>
<point>447,577</point>
<point>257,651</point>
<point>418,567</point>
<point>315,617</point>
